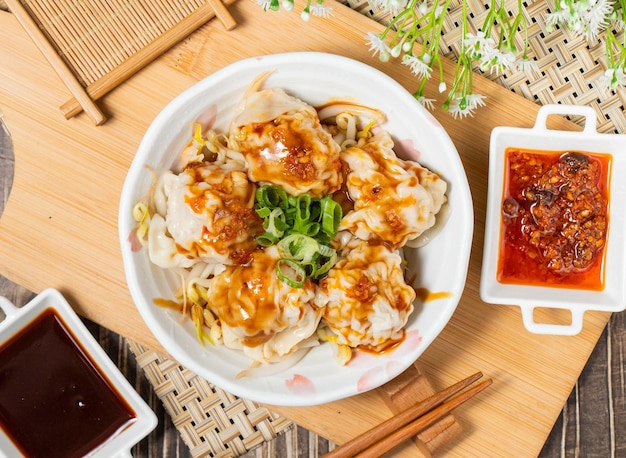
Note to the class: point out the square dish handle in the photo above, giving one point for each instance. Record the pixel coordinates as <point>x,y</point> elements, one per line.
<point>572,329</point>
<point>557,109</point>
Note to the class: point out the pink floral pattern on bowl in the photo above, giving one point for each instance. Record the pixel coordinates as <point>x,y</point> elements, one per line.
<point>301,385</point>
<point>374,370</point>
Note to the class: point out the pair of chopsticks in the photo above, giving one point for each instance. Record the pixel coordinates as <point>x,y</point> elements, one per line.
<point>410,422</point>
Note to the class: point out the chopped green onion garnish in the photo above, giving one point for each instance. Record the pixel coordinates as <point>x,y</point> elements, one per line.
<point>263,212</point>
<point>303,212</point>
<point>302,227</point>
<point>290,272</point>
<point>326,251</point>
<point>299,247</point>
<point>324,268</point>
<point>311,229</point>
<point>266,239</point>
<point>331,216</point>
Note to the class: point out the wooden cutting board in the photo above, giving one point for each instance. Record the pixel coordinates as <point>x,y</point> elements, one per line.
<point>59,227</point>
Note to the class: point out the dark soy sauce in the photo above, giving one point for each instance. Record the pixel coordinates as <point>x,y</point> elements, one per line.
<point>54,401</point>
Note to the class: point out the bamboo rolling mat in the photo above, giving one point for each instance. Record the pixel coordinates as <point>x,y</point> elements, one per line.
<point>215,423</point>
<point>94,46</point>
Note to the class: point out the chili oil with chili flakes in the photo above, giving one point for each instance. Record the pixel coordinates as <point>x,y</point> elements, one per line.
<point>554,219</point>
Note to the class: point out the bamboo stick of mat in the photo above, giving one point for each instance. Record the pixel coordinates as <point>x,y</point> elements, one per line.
<point>223,14</point>
<point>66,75</point>
<point>408,423</point>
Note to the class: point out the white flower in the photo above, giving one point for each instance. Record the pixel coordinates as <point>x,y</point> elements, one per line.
<point>465,106</point>
<point>597,18</point>
<point>417,65</point>
<point>526,65</point>
<point>393,6</point>
<point>503,61</point>
<point>470,40</point>
<point>426,103</point>
<point>558,17</point>
<point>442,86</point>
<point>587,18</point>
<point>377,44</point>
<point>497,61</point>
<point>619,18</point>
<point>458,112</point>
<point>305,15</point>
<point>613,78</point>
<point>320,10</point>
<point>475,100</point>
<point>479,46</point>
<point>265,4</point>
<point>288,5</point>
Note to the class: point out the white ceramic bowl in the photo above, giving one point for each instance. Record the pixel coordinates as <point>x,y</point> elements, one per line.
<point>442,265</point>
<point>18,319</point>
<point>613,297</point>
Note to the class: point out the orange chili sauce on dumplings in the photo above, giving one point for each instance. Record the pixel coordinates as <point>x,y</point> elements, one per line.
<point>554,219</point>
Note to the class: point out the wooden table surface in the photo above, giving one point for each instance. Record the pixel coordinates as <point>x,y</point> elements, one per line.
<point>591,424</point>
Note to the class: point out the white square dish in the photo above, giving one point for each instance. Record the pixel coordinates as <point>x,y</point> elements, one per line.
<point>612,297</point>
<point>81,368</point>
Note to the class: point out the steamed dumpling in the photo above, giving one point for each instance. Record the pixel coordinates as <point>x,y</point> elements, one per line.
<point>394,200</point>
<point>260,314</point>
<point>205,213</point>
<point>367,302</point>
<point>284,143</point>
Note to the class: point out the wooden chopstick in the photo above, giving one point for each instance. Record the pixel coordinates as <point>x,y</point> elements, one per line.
<point>409,422</point>
<point>421,423</point>
<point>64,72</point>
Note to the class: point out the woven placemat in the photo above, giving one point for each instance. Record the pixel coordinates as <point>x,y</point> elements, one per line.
<point>212,422</point>
<point>568,66</point>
